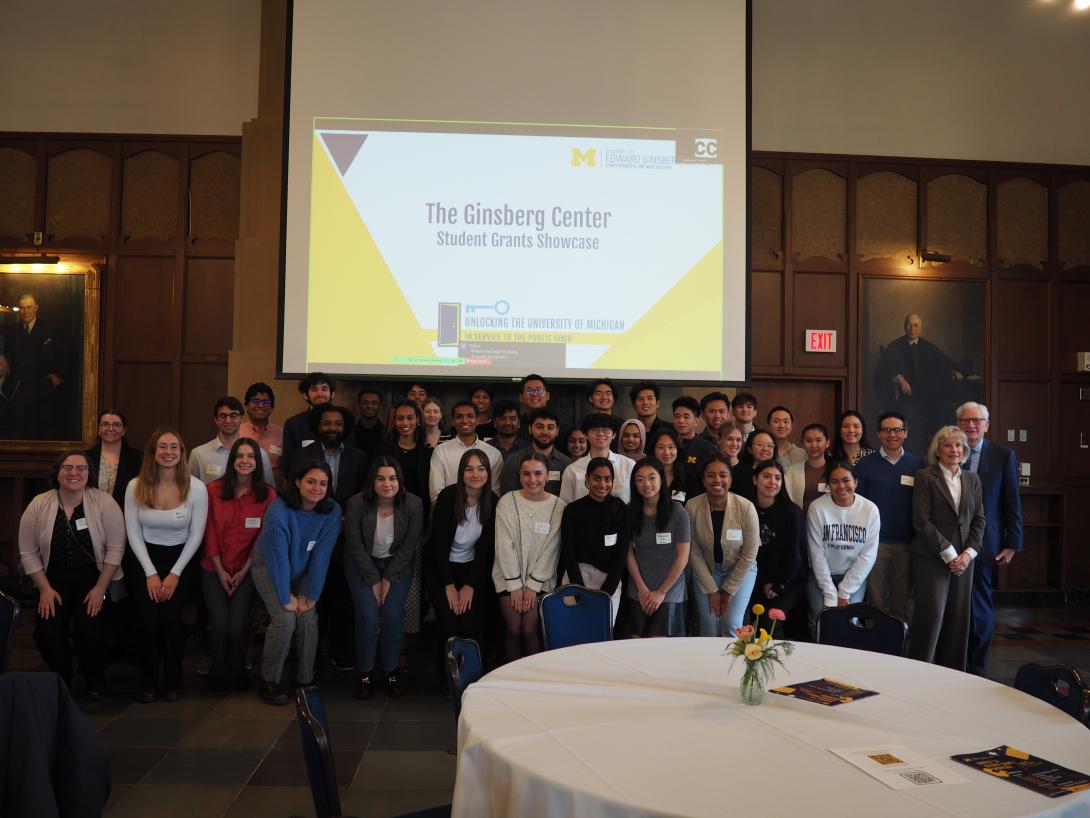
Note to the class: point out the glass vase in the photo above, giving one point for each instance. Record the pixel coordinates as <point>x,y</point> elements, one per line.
<point>752,688</point>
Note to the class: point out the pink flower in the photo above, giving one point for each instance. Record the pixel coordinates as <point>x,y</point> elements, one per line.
<point>777,614</point>
<point>745,632</point>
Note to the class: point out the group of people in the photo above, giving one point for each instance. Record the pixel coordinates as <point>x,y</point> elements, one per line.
<point>347,527</point>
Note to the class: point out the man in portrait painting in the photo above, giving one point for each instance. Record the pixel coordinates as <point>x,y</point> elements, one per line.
<point>36,367</point>
<point>915,377</point>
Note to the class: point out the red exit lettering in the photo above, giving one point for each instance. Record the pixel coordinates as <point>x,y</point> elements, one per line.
<point>820,340</point>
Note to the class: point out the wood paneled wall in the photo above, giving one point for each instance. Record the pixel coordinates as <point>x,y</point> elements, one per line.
<point>164,212</point>
<point>820,225</point>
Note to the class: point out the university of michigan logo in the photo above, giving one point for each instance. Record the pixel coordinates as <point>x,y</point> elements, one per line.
<point>587,157</point>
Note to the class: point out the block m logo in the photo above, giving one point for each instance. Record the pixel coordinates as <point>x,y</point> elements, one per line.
<point>587,157</point>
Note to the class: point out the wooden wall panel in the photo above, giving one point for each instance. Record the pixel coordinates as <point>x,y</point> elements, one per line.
<point>1074,322</point>
<point>819,216</point>
<point>1073,428</point>
<point>144,298</point>
<point>809,401</point>
<point>766,218</point>
<point>209,306</point>
<point>78,193</point>
<point>820,303</point>
<point>766,319</point>
<point>18,184</point>
<point>214,192</point>
<point>143,393</point>
<point>886,217</point>
<point>1025,405</point>
<point>957,207</point>
<point>1073,224</point>
<point>1021,312</point>
<point>149,197</point>
<point>202,385</point>
<point>1077,544</point>
<point>1021,223</point>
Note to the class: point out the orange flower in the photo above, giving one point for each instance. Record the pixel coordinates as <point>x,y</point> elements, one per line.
<point>777,614</point>
<point>745,632</point>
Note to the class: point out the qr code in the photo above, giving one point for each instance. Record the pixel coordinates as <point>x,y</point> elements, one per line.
<point>920,777</point>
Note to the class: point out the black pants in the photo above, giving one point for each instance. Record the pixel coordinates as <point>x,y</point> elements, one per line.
<point>162,633</point>
<point>336,614</point>
<point>52,635</point>
<point>228,623</point>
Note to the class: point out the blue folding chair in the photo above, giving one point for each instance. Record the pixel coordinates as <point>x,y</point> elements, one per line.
<point>1061,685</point>
<point>863,627</point>
<point>464,667</point>
<point>574,615</point>
<point>9,615</point>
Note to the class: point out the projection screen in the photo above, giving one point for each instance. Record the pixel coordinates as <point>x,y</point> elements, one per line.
<point>485,189</point>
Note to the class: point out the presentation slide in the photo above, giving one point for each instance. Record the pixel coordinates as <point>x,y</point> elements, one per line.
<point>557,249</point>
<point>606,242</point>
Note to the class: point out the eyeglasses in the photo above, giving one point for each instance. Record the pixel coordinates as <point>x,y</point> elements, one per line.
<point>972,421</point>
<point>534,390</point>
<point>111,424</point>
<point>896,430</point>
<point>77,469</point>
<point>228,416</point>
<point>260,402</point>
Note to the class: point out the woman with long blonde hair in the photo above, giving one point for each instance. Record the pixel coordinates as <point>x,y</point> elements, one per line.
<point>165,513</point>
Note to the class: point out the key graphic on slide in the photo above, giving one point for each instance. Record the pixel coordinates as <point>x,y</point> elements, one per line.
<point>501,307</point>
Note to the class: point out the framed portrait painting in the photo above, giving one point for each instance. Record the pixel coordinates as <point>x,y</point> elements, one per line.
<point>923,352</point>
<point>49,343</point>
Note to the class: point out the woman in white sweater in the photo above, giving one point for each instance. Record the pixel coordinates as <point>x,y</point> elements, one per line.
<point>843,539</point>
<point>165,513</point>
<point>527,551</point>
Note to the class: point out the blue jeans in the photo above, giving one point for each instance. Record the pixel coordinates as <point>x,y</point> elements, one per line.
<point>817,599</point>
<point>378,630</point>
<point>736,611</point>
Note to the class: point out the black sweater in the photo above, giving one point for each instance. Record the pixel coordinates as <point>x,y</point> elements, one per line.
<point>441,537</point>
<point>782,555</point>
<point>583,530</point>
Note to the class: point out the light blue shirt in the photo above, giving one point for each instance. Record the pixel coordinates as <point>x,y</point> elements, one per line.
<point>972,462</point>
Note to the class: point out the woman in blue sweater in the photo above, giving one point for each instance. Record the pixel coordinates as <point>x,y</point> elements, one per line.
<point>289,570</point>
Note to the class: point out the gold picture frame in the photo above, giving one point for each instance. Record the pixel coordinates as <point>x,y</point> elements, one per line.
<point>42,410</point>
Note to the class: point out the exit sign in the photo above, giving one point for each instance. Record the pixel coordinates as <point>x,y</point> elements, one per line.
<point>821,340</point>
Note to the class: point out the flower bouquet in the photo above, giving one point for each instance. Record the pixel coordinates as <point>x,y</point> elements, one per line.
<point>761,655</point>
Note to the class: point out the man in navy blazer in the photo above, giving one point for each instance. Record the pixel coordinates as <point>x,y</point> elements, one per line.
<point>997,468</point>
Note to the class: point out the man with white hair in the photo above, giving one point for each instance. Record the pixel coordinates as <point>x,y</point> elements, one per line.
<point>997,468</point>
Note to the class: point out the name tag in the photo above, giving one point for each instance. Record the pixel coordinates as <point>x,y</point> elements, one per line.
<point>734,535</point>
<point>678,495</point>
<point>214,469</point>
<point>181,513</point>
<point>609,539</point>
<point>276,450</point>
<point>664,538</point>
<point>306,443</point>
<point>311,544</point>
<point>541,528</point>
<point>908,480</point>
<point>554,476</point>
<point>388,539</point>
<point>253,522</point>
<point>81,524</point>
<point>823,488</point>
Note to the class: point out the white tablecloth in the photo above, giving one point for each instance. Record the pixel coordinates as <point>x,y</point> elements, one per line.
<point>656,727</point>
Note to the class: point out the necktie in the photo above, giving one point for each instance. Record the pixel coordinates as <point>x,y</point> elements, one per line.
<point>969,462</point>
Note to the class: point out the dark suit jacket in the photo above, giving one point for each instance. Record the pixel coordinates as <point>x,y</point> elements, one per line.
<point>128,467</point>
<point>998,473</point>
<point>359,537</point>
<point>437,547</point>
<point>350,473</point>
<point>44,351</point>
<point>937,522</point>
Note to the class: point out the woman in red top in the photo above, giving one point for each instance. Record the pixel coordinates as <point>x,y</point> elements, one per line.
<point>236,508</point>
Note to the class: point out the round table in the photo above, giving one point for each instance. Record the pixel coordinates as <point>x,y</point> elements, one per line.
<point>656,727</point>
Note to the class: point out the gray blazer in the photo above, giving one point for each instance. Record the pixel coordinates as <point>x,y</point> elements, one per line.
<point>937,522</point>
<point>359,538</point>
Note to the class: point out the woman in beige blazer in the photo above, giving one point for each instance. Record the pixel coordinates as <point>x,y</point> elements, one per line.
<point>948,516</point>
<point>723,557</point>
